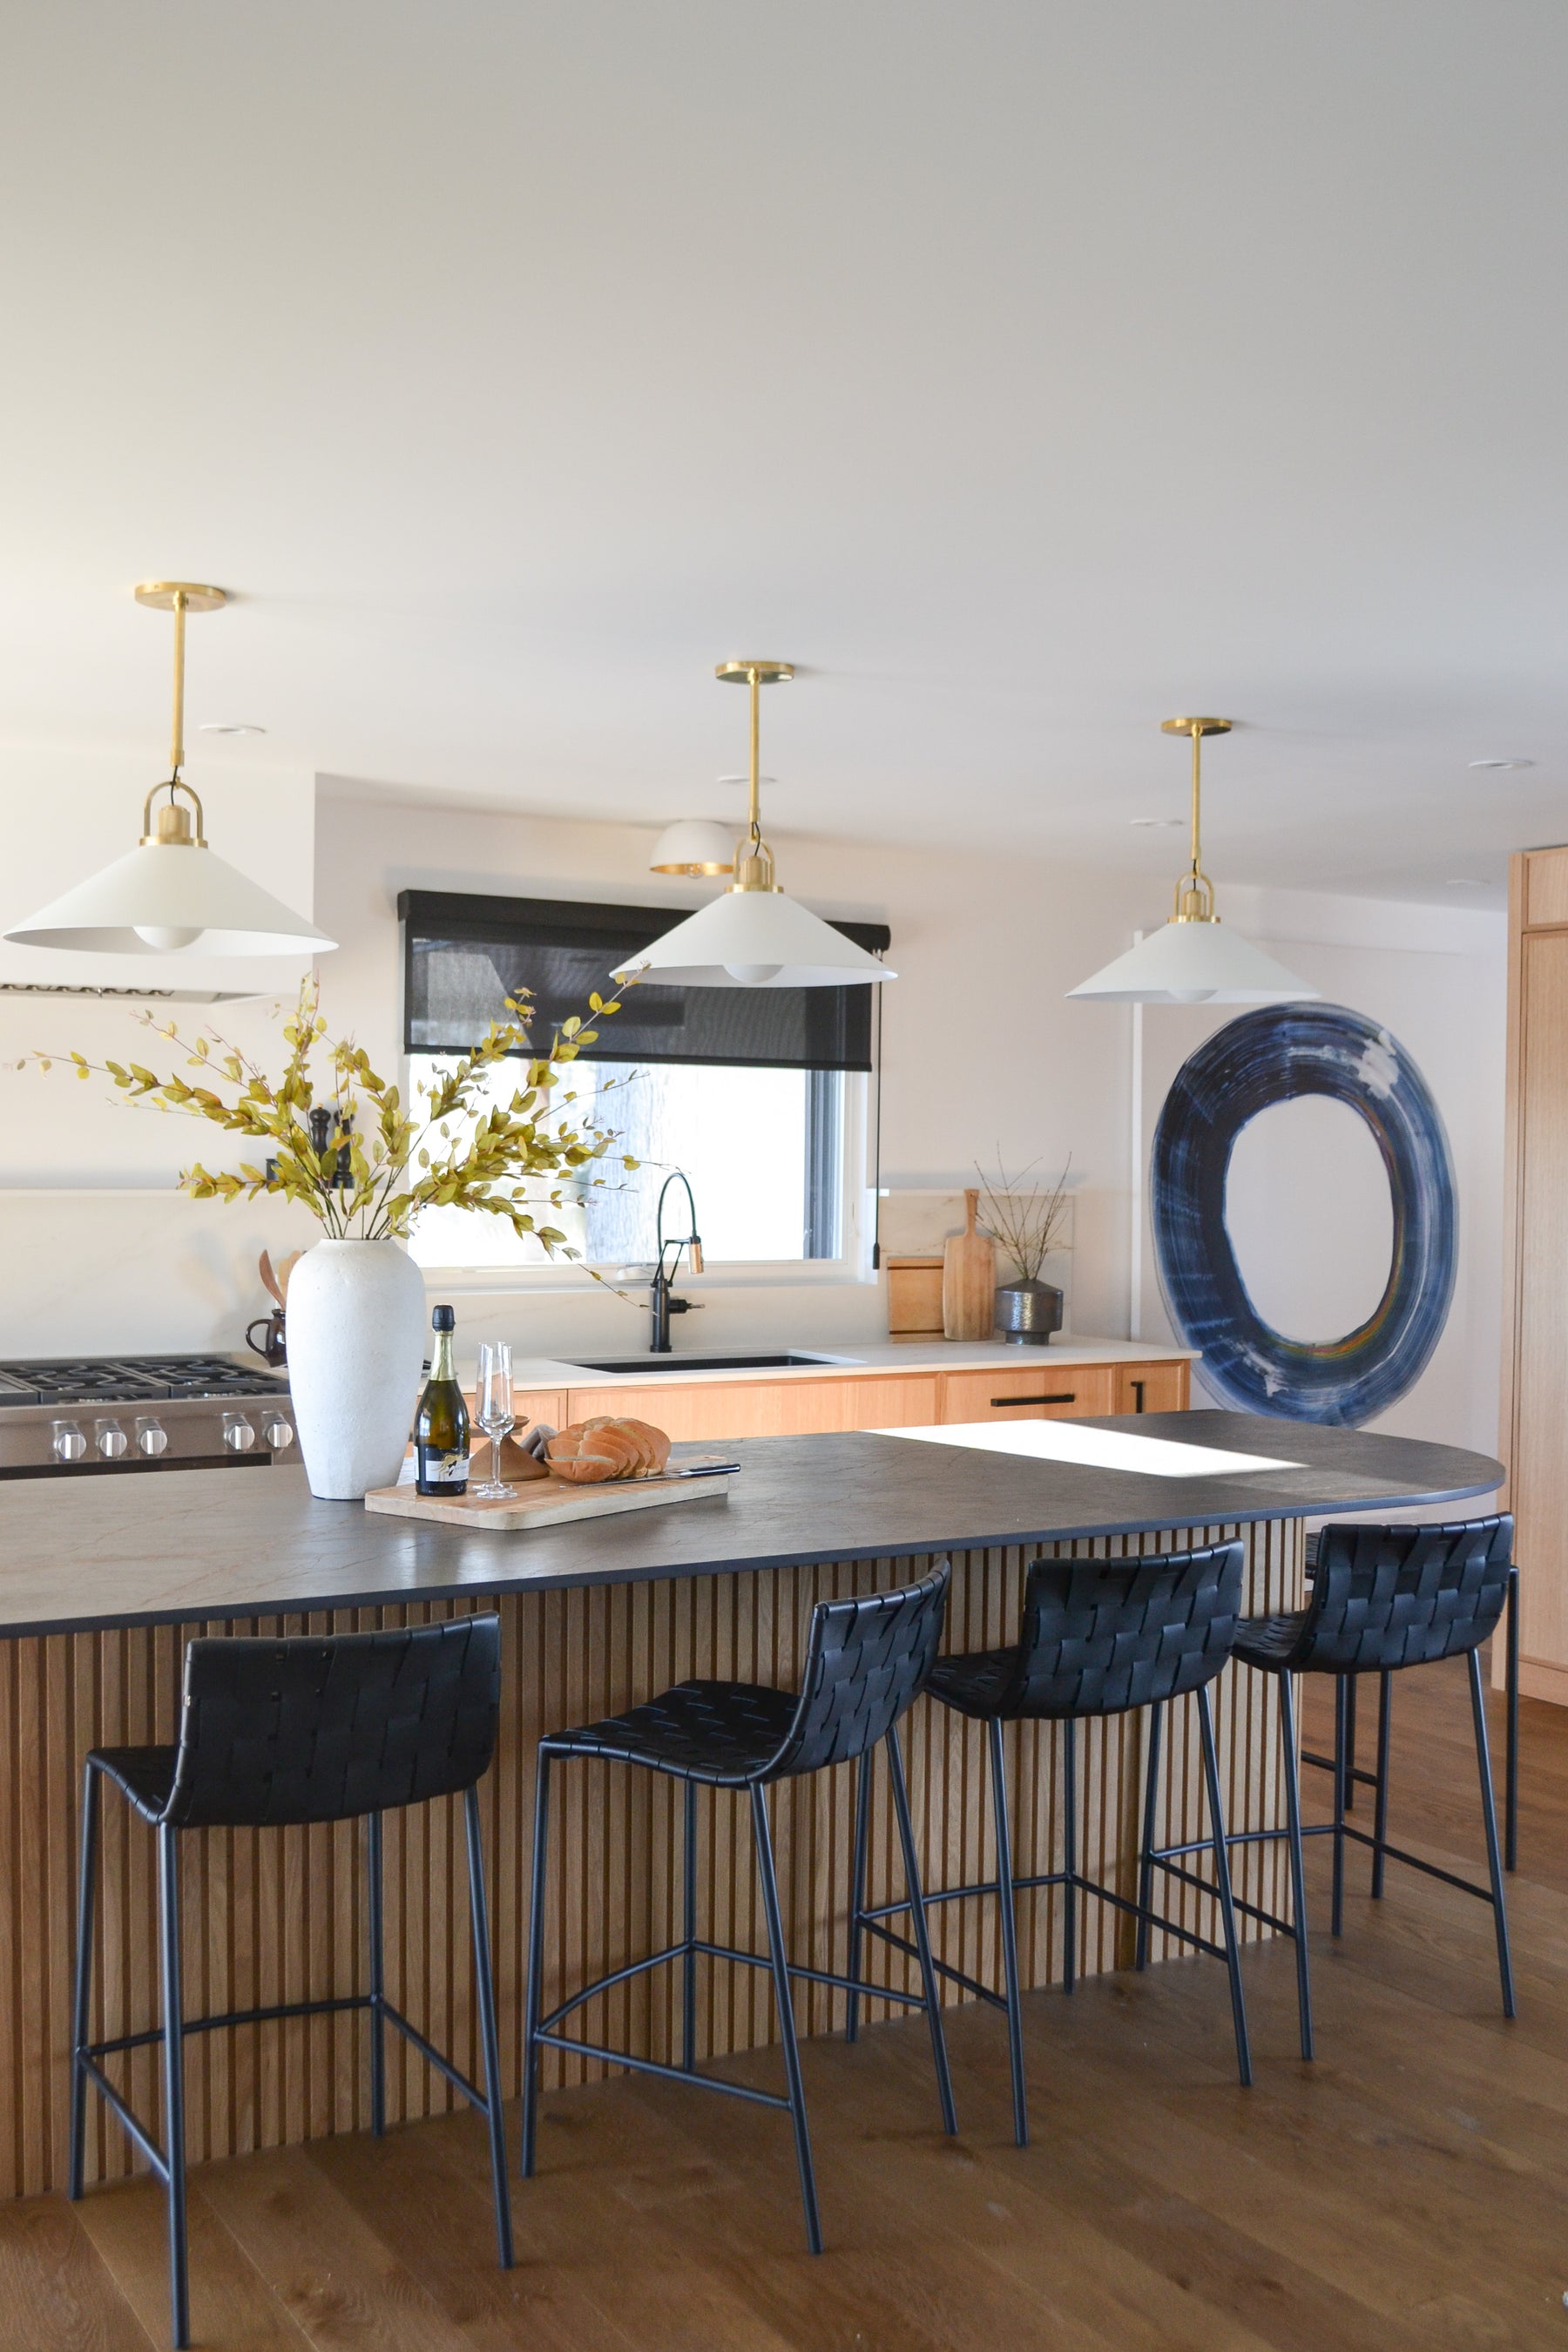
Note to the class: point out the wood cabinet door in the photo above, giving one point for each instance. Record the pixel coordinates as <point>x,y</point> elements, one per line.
<point>1046,1391</point>
<point>1152,1388</point>
<point>704,1410</point>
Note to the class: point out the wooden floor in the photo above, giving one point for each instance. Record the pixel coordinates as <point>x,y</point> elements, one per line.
<point>1410,2189</point>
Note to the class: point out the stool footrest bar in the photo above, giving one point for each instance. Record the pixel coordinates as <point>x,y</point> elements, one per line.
<point>667,2073</point>
<point>128,2121</point>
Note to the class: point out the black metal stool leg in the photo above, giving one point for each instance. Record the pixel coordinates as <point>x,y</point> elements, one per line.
<point>1380,1807</point>
<point>485,1995</point>
<point>1006,1900</point>
<point>535,1995</point>
<point>81,2012</point>
<point>688,1932</point>
<point>375,1907</point>
<point>1337,1909</point>
<point>763,1833</point>
<point>1298,1860</point>
<point>173,2080</point>
<point>858,1892</point>
<point>1221,1879</point>
<point>1069,1853</point>
<point>1488,1816</point>
<point>1511,1753</point>
<point>1145,1863</point>
<point>1351,1695</point>
<point>921,1927</point>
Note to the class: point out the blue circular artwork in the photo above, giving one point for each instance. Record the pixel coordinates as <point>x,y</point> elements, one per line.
<point>1266,1057</point>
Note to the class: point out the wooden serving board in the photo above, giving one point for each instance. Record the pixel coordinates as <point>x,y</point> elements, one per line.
<point>548,1502</point>
<point>969,1279</point>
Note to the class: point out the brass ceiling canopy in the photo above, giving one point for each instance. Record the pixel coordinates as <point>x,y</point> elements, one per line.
<point>1195,891</point>
<point>754,866</point>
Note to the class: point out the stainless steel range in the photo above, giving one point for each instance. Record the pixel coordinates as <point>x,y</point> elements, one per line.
<point>61,1416</point>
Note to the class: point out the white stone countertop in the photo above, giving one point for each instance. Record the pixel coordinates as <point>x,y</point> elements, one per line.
<point>880,1356</point>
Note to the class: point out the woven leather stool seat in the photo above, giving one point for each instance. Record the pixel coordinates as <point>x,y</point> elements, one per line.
<point>144,1775</point>
<point>1103,1635</point>
<point>726,1733</point>
<point>867,1660</point>
<point>1270,1641</point>
<point>317,1728</point>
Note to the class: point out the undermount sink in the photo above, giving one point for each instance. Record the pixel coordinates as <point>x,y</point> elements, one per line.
<point>778,1363</point>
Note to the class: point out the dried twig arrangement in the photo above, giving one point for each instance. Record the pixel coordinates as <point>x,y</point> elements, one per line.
<point>1026,1221</point>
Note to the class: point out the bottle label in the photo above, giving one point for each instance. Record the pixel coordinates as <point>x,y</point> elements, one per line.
<point>441,1469</point>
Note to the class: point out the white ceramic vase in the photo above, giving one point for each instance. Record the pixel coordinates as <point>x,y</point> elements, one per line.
<point>356,1343</point>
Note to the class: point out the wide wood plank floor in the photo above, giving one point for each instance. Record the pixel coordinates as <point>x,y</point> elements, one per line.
<point>1410,2189</point>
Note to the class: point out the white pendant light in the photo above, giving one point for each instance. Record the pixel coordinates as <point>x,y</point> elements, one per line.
<point>172,893</point>
<point>1193,959</point>
<point>694,846</point>
<point>752,935</point>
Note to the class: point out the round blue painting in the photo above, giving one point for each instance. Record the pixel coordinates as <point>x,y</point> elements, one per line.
<point>1262,1058</point>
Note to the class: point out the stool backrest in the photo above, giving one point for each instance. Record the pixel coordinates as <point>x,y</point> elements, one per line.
<point>322,1728</point>
<point>867,1660</point>
<point>1102,1635</point>
<point>1404,1596</point>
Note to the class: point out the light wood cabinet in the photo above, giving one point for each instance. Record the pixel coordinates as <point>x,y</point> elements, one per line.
<point>1535,1333</point>
<point>1152,1388</point>
<point>705,1410</point>
<point>1046,1391</point>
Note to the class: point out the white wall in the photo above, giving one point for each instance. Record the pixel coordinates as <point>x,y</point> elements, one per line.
<point>980,1052</point>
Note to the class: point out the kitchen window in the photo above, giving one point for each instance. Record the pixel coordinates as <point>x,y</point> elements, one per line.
<point>759,1096</point>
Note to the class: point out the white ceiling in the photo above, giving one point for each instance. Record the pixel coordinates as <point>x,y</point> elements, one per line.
<point>1025,370</point>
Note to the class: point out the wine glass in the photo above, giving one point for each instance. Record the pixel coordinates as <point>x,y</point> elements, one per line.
<point>494,1412</point>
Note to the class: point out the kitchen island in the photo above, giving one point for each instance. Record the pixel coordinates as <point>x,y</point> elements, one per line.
<point>103,1579</point>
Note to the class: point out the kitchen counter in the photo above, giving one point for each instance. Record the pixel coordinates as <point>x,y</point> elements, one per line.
<point>104,1580</point>
<point>893,1357</point>
<point>87,1553</point>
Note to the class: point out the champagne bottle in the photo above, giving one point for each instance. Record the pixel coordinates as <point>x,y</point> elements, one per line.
<point>441,1430</point>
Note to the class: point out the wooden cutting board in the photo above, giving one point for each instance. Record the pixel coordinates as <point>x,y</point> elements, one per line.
<point>548,1502</point>
<point>969,1279</point>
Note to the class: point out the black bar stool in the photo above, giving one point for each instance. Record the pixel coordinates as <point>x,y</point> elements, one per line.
<point>867,1661</point>
<point>310,1729</point>
<point>1099,1637</point>
<point>1381,1599</point>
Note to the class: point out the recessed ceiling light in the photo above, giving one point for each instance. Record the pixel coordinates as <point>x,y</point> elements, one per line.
<point>1158,823</point>
<point>1502,764</point>
<point>1464,882</point>
<point>230,727</point>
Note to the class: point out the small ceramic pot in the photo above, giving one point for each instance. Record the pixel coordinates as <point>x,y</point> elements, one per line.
<point>1027,1313</point>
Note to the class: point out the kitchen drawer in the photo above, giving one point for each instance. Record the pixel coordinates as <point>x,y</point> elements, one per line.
<point>1049,1390</point>
<point>716,1410</point>
<point>529,1405</point>
<point>1152,1388</point>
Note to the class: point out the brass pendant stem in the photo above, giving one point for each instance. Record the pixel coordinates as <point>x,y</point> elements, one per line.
<point>755,683</point>
<point>1198,789</point>
<point>177,746</point>
<point>1195,891</point>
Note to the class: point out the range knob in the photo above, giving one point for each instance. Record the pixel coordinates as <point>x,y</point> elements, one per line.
<point>278,1433</point>
<point>112,1441</point>
<point>69,1442</point>
<point>152,1437</point>
<point>238,1434</point>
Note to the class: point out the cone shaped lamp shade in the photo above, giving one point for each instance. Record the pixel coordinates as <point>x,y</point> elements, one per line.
<point>1193,959</point>
<point>164,897</point>
<point>754,938</point>
<point>172,894</point>
<point>1195,963</point>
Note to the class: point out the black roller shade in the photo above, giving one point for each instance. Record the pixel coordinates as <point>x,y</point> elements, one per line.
<point>464,954</point>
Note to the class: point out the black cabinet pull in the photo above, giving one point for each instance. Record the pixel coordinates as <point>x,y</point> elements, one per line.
<point>1068,1396</point>
<point>1137,1388</point>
